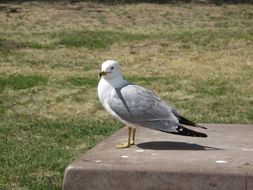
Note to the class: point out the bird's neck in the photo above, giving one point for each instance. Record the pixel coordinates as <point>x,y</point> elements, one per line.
<point>116,82</point>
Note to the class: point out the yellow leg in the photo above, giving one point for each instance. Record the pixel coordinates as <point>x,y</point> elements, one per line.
<point>129,141</point>
<point>132,142</point>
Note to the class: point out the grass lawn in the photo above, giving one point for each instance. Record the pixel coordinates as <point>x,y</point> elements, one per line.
<point>197,57</point>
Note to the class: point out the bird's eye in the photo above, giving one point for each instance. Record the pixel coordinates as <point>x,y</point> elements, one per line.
<point>112,68</point>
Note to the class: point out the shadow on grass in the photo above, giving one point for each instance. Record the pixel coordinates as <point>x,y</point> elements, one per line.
<point>169,145</point>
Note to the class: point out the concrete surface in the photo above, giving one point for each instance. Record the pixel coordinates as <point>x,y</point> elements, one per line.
<point>159,161</point>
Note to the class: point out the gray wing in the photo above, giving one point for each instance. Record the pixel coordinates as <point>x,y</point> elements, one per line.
<point>140,106</point>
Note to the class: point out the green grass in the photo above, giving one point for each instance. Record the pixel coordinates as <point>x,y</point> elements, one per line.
<point>172,82</point>
<point>196,57</point>
<point>97,39</point>
<point>216,88</point>
<point>18,82</point>
<point>83,81</point>
<point>207,39</point>
<point>7,45</point>
<point>73,39</point>
<point>44,162</point>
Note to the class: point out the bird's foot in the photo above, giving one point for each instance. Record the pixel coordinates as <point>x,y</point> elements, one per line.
<point>123,145</point>
<point>130,141</point>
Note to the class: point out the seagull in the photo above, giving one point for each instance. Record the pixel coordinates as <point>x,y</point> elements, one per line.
<point>134,106</point>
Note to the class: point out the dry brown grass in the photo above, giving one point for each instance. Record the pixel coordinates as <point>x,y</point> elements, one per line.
<point>158,56</point>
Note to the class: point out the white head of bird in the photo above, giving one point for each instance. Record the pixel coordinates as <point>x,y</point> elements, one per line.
<point>110,69</point>
<point>111,72</point>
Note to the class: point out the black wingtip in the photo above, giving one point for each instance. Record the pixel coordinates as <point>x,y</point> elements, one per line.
<point>185,121</point>
<point>187,132</point>
<point>200,126</point>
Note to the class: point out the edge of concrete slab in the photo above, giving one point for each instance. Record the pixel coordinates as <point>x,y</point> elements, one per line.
<point>102,172</point>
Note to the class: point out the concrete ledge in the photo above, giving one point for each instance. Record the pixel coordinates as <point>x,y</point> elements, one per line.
<point>222,161</point>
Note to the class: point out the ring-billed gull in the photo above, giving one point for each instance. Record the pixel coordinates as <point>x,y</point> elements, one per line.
<point>136,106</point>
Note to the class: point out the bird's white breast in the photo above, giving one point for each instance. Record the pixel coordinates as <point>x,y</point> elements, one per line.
<point>104,94</point>
<point>105,91</point>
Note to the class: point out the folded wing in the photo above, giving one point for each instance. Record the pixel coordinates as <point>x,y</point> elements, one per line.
<point>139,106</point>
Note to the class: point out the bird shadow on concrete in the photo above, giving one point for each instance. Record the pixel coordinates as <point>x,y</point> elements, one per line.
<point>170,145</point>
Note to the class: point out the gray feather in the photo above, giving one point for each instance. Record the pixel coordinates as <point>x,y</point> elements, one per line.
<point>140,106</point>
